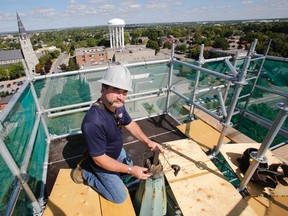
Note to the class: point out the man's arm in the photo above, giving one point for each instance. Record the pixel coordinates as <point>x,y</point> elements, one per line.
<point>137,132</point>
<point>113,165</point>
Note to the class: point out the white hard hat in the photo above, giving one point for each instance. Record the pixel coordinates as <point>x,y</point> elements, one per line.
<point>119,77</point>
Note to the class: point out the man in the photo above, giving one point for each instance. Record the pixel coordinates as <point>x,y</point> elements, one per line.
<point>102,131</point>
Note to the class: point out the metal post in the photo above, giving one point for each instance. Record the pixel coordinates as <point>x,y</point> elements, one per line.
<point>7,157</point>
<point>44,173</point>
<point>170,79</point>
<point>238,89</point>
<point>280,119</point>
<point>229,82</point>
<point>222,104</point>
<point>195,90</point>
<point>30,145</point>
<point>255,81</point>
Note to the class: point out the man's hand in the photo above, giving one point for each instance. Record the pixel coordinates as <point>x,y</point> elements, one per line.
<point>139,172</point>
<point>154,145</point>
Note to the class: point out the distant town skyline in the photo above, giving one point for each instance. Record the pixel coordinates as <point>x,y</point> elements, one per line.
<point>53,14</point>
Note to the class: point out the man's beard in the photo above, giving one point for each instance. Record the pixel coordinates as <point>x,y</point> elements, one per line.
<point>116,102</point>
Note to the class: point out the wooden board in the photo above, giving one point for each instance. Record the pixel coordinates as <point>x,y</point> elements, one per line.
<point>202,133</point>
<point>68,198</point>
<point>232,134</point>
<point>199,187</point>
<point>114,209</point>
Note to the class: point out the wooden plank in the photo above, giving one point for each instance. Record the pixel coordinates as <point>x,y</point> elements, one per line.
<point>282,153</point>
<point>202,133</point>
<point>199,187</point>
<point>68,198</point>
<point>113,209</point>
<point>232,133</point>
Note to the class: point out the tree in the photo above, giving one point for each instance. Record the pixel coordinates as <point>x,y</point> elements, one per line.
<point>153,45</point>
<point>91,42</point>
<point>221,43</point>
<point>181,48</point>
<point>39,68</point>
<point>55,54</point>
<point>104,42</point>
<point>16,70</point>
<point>72,65</point>
<point>47,66</point>
<point>135,36</point>
<point>167,44</point>
<point>195,52</point>
<point>3,73</point>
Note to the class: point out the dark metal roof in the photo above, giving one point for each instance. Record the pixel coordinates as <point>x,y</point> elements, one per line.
<point>20,25</point>
<point>11,55</point>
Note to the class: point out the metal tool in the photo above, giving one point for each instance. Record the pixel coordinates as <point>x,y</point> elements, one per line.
<point>175,167</point>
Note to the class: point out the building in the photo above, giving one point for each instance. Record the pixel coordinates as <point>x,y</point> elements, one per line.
<point>87,57</point>
<point>10,57</point>
<point>90,56</point>
<point>26,46</point>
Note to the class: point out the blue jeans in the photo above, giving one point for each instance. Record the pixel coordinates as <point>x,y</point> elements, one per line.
<point>108,184</point>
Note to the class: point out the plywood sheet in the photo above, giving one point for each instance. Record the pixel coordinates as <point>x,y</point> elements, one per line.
<point>202,133</point>
<point>114,209</point>
<point>199,187</point>
<point>68,198</point>
<point>232,134</point>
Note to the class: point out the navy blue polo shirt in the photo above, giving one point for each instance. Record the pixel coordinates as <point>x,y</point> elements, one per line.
<point>102,130</point>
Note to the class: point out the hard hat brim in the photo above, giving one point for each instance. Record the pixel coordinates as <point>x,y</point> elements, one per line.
<point>114,85</point>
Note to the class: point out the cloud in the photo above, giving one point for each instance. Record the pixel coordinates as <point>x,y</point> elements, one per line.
<point>247,2</point>
<point>98,1</point>
<point>135,6</point>
<point>6,16</point>
<point>45,12</point>
<point>107,7</point>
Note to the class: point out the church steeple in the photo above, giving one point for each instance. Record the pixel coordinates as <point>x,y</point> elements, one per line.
<point>22,31</point>
<point>26,47</point>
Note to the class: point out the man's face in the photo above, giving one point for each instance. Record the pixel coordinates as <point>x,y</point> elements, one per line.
<point>113,97</point>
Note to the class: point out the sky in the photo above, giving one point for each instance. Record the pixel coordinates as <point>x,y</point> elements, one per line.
<point>54,14</point>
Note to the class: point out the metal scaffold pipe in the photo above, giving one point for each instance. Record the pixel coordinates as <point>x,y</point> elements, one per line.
<point>195,90</point>
<point>170,80</point>
<point>239,85</point>
<point>279,121</point>
<point>7,157</point>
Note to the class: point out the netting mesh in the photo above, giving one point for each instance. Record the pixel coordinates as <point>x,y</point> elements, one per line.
<point>80,88</point>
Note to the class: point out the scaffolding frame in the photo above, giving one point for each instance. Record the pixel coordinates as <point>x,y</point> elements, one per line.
<point>237,78</point>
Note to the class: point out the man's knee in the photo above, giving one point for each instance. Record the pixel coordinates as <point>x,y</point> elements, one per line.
<point>120,198</point>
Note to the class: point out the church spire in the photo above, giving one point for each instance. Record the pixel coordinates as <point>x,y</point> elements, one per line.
<point>26,47</point>
<point>21,28</point>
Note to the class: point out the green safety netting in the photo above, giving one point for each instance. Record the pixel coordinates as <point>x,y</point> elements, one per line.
<point>83,87</point>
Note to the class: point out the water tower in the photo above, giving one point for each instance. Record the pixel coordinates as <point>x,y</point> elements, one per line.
<point>116,30</point>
